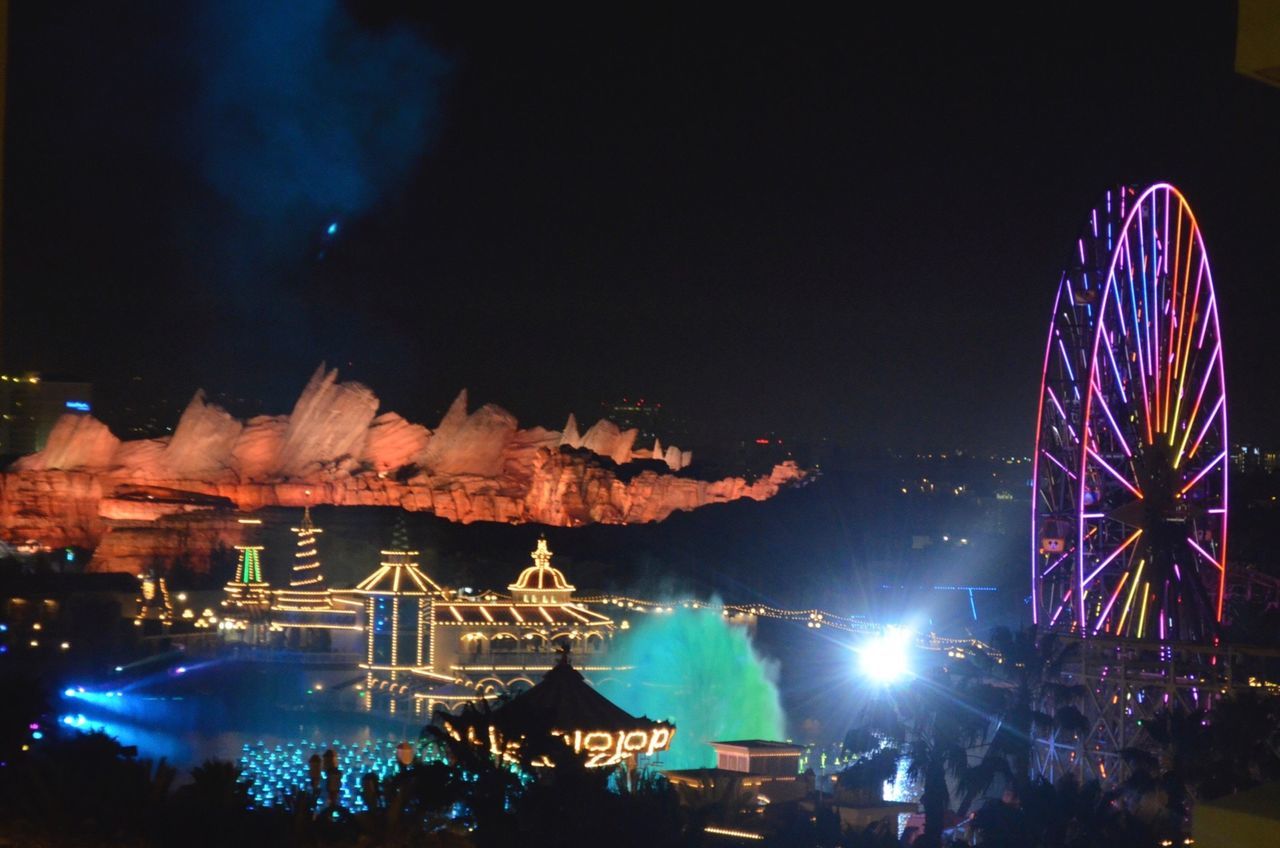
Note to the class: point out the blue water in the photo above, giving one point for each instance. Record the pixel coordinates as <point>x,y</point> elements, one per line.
<point>213,710</point>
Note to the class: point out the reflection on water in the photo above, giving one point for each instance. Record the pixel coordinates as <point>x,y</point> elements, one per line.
<point>214,710</point>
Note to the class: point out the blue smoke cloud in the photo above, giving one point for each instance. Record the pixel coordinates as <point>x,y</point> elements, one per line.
<point>302,120</point>
<point>303,116</point>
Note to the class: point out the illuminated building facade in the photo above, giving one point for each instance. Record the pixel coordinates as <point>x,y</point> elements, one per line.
<point>770,770</point>
<point>399,602</point>
<point>494,643</point>
<point>419,644</point>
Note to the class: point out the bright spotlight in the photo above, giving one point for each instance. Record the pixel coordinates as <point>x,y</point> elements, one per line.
<point>69,693</point>
<point>884,659</point>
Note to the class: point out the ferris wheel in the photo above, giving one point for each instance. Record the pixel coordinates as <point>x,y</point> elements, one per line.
<point>1129,510</point>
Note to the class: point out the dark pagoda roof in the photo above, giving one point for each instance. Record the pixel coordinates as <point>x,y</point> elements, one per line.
<point>565,700</point>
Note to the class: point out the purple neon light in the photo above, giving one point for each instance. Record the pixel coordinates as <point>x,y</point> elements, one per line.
<point>1114,426</point>
<point>1053,397</point>
<point>1061,607</point>
<point>1056,563</point>
<point>1066,360</point>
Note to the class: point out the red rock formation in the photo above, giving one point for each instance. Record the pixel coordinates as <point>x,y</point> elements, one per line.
<point>137,501</point>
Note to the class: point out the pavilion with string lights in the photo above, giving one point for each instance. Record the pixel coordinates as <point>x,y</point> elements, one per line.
<point>420,645</point>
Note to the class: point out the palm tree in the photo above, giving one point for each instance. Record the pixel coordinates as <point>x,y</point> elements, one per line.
<point>1025,695</point>
<point>934,721</point>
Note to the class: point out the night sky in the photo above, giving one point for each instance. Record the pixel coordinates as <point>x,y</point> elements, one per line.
<point>840,227</point>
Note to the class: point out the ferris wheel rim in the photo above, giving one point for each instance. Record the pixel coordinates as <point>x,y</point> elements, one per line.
<point>1176,357</point>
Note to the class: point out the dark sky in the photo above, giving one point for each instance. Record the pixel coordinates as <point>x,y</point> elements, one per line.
<point>838,226</point>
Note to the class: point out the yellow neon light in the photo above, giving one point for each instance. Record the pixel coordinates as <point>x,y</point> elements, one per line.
<point>1142,618</point>
<point>1128,602</point>
<point>736,834</point>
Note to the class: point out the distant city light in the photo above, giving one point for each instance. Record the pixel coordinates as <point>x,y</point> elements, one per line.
<point>884,659</point>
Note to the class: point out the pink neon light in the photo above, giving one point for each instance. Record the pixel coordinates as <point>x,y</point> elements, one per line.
<point>1203,471</point>
<point>1207,423</point>
<point>1203,552</point>
<point>1058,463</point>
<point>1035,468</point>
<point>1217,333</point>
<point>1116,474</point>
<point>1107,611</point>
<point>1195,410</point>
<point>1211,308</point>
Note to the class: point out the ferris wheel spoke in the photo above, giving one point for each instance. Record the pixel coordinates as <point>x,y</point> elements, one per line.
<point>1209,371</point>
<point>1121,377</point>
<point>1115,428</point>
<point>1186,352</point>
<point>1058,463</point>
<point>1138,339</point>
<point>1128,601</point>
<point>1181,356</point>
<point>1137,493</point>
<point>1212,559</point>
<point>1106,611</point>
<point>1203,471</point>
<point>1133,537</point>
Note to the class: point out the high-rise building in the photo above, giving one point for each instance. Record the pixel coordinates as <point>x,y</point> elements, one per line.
<point>31,405</point>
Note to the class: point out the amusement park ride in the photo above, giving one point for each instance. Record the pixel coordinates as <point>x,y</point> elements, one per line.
<point>1129,510</point>
<point>1128,548</point>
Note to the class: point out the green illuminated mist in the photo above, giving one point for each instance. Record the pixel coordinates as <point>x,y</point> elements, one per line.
<point>695,669</point>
